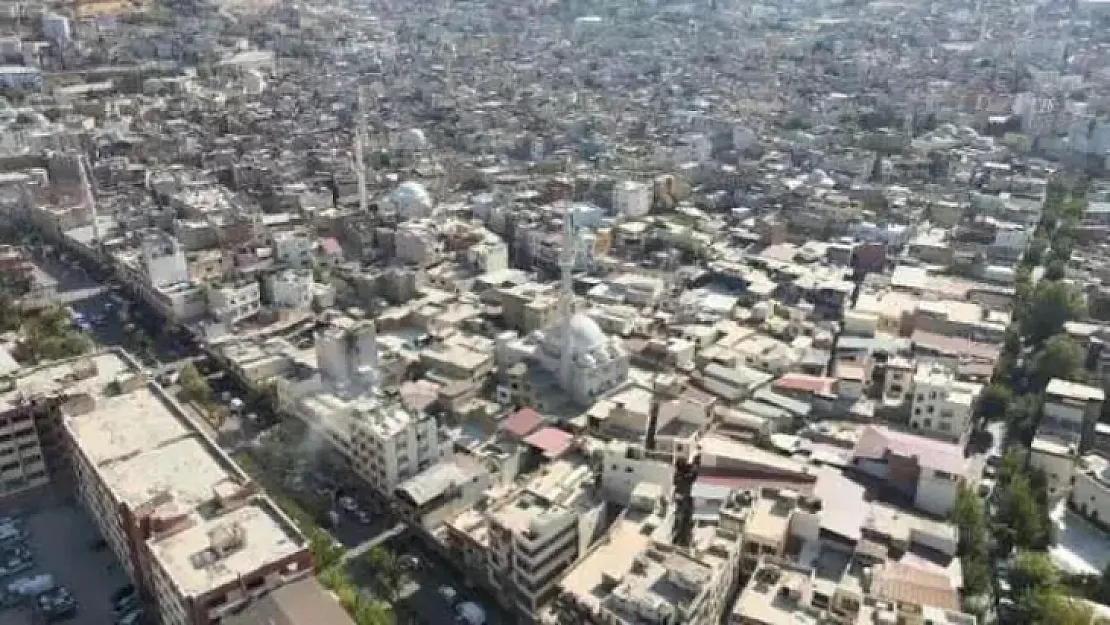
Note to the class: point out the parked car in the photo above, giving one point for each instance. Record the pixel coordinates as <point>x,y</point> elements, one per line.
<point>449,594</point>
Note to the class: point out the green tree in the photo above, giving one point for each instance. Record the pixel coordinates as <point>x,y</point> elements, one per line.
<point>1021,518</point>
<point>370,612</point>
<point>193,385</point>
<point>1058,609</point>
<point>1052,304</point>
<point>967,514</point>
<point>1031,571</point>
<point>994,401</point>
<point>325,552</point>
<point>1059,357</point>
<point>388,570</point>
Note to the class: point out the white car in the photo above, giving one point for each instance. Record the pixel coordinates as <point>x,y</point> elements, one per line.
<point>449,594</point>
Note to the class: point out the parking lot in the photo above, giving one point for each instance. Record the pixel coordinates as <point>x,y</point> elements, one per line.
<point>64,543</point>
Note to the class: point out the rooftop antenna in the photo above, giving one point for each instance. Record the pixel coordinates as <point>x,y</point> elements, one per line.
<point>360,144</point>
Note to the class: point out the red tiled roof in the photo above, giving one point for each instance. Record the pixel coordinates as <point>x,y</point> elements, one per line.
<point>895,581</point>
<point>955,345</point>
<point>523,422</point>
<point>803,382</point>
<point>876,442</point>
<point>553,442</point>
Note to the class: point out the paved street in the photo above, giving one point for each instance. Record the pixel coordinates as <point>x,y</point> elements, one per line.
<point>311,474</point>
<point>421,595</point>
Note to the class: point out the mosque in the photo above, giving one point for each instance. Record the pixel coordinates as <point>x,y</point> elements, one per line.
<point>585,361</point>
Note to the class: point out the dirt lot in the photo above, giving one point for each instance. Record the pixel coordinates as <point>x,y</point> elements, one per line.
<point>61,537</point>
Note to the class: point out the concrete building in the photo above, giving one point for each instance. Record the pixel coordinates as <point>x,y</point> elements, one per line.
<point>925,472</point>
<point>537,533</point>
<point>631,199</point>
<point>417,243</point>
<point>291,289</point>
<point>784,593</point>
<point>942,406</point>
<point>390,445</point>
<point>1056,457</point>
<point>163,260</point>
<point>191,528</point>
<point>1090,492</point>
<point>1071,411</point>
<point>232,302</point>
<point>294,249</point>
<point>347,356</point>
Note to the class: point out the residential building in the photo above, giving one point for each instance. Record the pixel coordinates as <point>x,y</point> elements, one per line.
<point>1090,491</point>
<point>192,530</point>
<point>1071,410</point>
<point>631,199</point>
<point>163,260</point>
<point>233,302</point>
<point>442,491</point>
<point>942,406</point>
<point>925,472</point>
<point>291,289</point>
<point>784,593</point>
<point>536,534</point>
<point>294,248</point>
<point>389,445</point>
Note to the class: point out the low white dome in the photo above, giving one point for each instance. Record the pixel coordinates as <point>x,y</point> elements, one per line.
<point>413,140</point>
<point>585,335</point>
<point>411,199</point>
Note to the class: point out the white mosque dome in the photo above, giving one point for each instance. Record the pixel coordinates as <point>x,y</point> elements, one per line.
<point>412,140</point>
<point>585,335</point>
<point>411,199</point>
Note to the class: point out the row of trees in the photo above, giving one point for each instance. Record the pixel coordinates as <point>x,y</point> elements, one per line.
<point>328,558</point>
<point>1035,351</point>
<point>46,334</point>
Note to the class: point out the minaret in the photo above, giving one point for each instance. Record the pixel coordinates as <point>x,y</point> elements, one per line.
<point>88,197</point>
<point>360,144</point>
<point>566,301</point>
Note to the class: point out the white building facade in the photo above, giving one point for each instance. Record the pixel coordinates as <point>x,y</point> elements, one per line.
<point>234,301</point>
<point>291,289</point>
<point>942,407</point>
<point>631,199</point>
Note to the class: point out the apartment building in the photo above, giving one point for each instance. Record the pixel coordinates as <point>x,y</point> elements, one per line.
<point>30,447</point>
<point>232,302</point>
<point>535,534</point>
<point>919,470</point>
<point>1090,493</point>
<point>193,531</point>
<point>784,593</point>
<point>942,406</point>
<point>389,445</point>
<point>294,249</point>
<point>1071,411</point>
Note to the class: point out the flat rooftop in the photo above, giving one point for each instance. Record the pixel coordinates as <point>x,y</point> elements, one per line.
<point>591,580</point>
<point>184,555</point>
<point>147,452</point>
